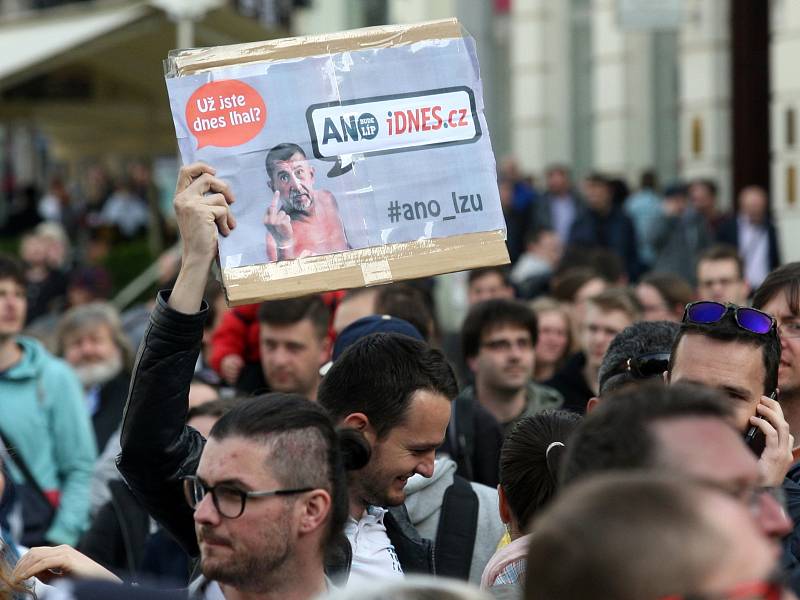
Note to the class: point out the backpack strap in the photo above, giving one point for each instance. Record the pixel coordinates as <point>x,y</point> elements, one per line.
<point>458,528</point>
<point>15,457</point>
<point>463,440</point>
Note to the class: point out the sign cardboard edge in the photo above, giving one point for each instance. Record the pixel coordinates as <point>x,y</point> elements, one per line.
<point>346,270</point>
<point>197,60</point>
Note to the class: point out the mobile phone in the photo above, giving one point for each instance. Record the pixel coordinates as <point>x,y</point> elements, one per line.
<point>755,438</point>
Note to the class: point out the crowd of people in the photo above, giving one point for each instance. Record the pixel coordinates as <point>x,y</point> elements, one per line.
<point>614,417</point>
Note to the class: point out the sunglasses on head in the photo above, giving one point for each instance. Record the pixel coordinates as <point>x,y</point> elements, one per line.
<point>644,366</point>
<point>708,312</point>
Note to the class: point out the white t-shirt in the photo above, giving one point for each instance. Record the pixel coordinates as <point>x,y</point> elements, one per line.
<point>374,557</point>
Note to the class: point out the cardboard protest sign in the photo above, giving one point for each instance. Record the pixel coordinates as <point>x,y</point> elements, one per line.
<point>355,158</point>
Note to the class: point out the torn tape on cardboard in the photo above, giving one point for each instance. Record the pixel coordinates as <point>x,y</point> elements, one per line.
<point>338,148</point>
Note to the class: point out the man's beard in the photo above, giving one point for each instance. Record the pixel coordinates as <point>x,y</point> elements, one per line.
<point>99,373</point>
<point>256,572</point>
<point>374,489</point>
<point>300,203</point>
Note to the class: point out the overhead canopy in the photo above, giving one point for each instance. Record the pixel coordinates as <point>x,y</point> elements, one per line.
<point>90,75</point>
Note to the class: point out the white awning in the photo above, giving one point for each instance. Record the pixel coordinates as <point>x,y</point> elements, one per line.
<point>24,44</point>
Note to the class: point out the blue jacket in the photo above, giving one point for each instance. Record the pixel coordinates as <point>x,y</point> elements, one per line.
<point>42,414</point>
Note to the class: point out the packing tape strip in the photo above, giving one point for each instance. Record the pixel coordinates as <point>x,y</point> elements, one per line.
<point>376,273</point>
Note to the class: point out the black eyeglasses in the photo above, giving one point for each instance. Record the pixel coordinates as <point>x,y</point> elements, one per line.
<point>708,312</point>
<point>228,500</point>
<point>645,366</point>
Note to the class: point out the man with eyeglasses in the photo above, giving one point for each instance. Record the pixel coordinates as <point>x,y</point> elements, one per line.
<point>720,275</point>
<point>647,536</point>
<point>498,337</point>
<point>263,499</point>
<point>683,429</point>
<point>264,520</point>
<point>736,350</point>
<point>779,295</point>
<point>497,341</point>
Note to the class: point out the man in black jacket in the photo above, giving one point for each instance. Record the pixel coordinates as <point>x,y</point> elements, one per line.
<point>157,449</point>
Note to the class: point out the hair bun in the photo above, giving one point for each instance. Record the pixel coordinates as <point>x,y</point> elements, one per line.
<point>354,448</point>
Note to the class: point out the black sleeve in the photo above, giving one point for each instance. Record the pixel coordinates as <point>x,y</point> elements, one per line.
<point>158,449</point>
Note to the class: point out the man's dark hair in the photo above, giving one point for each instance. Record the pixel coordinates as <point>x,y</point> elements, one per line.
<point>676,188</point>
<point>12,268</point>
<point>406,302</point>
<point>723,252</point>
<point>726,330</point>
<point>617,434</point>
<point>528,471</point>
<point>783,279</point>
<point>644,337</point>
<point>535,235</point>
<point>567,283</point>
<point>212,408</point>
<point>558,168</point>
<point>599,178</point>
<point>283,151</point>
<point>672,288</point>
<point>290,427</point>
<point>648,180</point>
<point>606,264</point>
<point>289,312</point>
<point>709,184</point>
<point>476,274</point>
<point>493,313</point>
<point>379,375</point>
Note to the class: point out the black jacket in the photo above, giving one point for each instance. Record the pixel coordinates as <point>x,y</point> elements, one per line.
<point>118,533</point>
<point>106,420</point>
<point>572,385</point>
<point>728,233</point>
<point>158,449</point>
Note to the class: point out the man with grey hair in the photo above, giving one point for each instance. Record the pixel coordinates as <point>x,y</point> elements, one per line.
<point>91,340</point>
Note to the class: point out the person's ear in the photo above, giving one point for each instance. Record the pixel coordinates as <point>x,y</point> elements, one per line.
<point>314,511</point>
<point>472,364</point>
<point>360,422</point>
<point>269,183</point>
<point>325,350</point>
<point>311,172</point>
<point>592,404</point>
<point>502,505</point>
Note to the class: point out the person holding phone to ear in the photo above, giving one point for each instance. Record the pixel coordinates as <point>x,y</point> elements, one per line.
<point>736,349</point>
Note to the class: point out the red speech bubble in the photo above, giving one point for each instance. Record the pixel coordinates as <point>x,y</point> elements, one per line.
<point>225,113</point>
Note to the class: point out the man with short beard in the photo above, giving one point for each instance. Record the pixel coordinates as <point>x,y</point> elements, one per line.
<point>91,340</point>
<point>300,220</point>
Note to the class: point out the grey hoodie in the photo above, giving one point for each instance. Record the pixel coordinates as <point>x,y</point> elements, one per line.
<point>424,503</point>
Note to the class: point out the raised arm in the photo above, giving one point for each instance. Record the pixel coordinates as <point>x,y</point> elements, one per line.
<point>157,447</point>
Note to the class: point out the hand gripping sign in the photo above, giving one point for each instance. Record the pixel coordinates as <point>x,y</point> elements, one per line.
<point>392,123</point>
<point>356,158</point>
